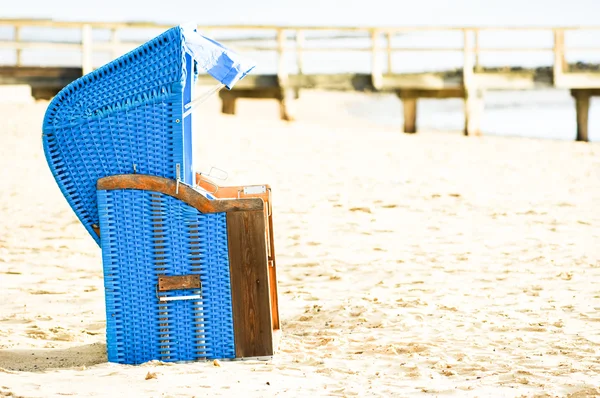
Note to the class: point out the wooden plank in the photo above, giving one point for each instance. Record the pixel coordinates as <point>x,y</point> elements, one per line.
<point>458,92</point>
<point>248,82</point>
<point>266,92</point>
<point>252,319</point>
<point>592,92</point>
<point>581,80</point>
<point>267,85</point>
<point>179,191</point>
<point>239,192</point>
<point>273,275</point>
<point>410,115</point>
<point>40,72</point>
<point>582,109</point>
<point>45,82</point>
<point>178,282</point>
<point>338,81</point>
<point>428,80</point>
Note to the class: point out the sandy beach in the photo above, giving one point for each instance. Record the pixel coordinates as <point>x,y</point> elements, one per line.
<point>409,265</point>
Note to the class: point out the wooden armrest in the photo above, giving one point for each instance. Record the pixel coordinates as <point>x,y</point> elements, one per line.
<point>180,191</point>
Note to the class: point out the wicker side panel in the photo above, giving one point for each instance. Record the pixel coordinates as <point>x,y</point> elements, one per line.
<point>144,235</point>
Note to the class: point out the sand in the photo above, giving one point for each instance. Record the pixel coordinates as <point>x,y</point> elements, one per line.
<point>409,265</point>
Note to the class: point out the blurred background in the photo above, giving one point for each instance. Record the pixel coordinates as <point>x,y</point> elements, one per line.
<point>540,109</point>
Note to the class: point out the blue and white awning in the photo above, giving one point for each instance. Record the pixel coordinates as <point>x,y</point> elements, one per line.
<point>222,63</point>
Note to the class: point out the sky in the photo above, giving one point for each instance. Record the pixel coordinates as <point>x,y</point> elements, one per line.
<point>317,12</point>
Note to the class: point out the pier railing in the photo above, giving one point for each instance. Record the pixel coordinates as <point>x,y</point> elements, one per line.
<point>469,78</point>
<point>293,40</point>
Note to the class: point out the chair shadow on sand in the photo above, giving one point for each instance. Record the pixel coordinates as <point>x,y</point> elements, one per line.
<point>39,360</point>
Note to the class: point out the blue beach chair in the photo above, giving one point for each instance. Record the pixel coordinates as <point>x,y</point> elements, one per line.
<point>186,277</point>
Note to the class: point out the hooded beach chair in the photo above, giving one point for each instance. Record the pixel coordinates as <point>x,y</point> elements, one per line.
<point>188,275</point>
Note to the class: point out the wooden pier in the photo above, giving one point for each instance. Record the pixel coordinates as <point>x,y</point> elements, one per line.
<point>468,82</point>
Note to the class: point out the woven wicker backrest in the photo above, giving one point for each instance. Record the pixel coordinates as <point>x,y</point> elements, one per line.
<point>129,116</point>
<point>123,118</point>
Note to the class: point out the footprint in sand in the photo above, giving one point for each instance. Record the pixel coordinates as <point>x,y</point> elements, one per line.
<point>37,334</point>
<point>361,209</point>
<point>44,292</point>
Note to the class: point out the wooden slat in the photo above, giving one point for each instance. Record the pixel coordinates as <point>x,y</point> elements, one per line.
<point>40,71</point>
<point>267,86</point>
<point>407,93</point>
<point>516,80</point>
<point>583,80</point>
<point>185,193</point>
<point>178,282</point>
<point>273,276</point>
<point>252,320</point>
<point>427,80</point>
<point>238,192</point>
<point>51,79</point>
<point>248,82</point>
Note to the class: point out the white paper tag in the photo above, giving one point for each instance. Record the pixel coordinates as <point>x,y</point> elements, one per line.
<point>255,189</point>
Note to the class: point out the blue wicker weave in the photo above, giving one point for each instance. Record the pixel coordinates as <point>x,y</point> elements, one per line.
<point>123,118</point>
<point>146,234</point>
<point>130,116</point>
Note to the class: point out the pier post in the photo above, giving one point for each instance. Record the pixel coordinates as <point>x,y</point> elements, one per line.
<point>286,104</point>
<point>582,109</point>
<point>473,96</point>
<point>227,103</point>
<point>409,98</point>
<point>560,64</point>
<point>473,112</point>
<point>286,95</point>
<point>376,70</point>
<point>410,114</point>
